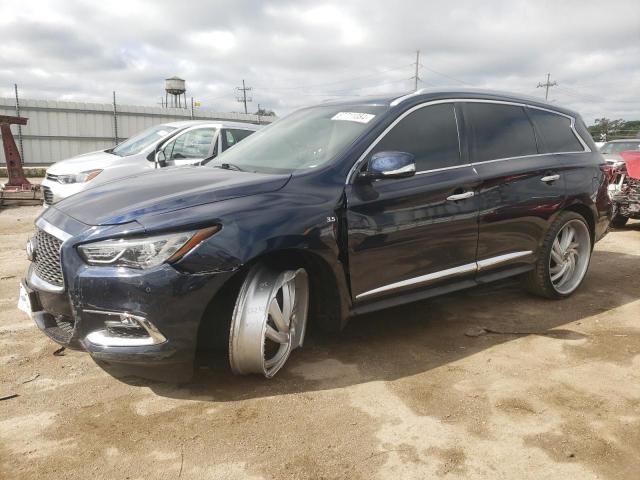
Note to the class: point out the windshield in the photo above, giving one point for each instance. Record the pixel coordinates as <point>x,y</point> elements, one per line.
<point>303,140</point>
<point>139,142</point>
<point>617,147</point>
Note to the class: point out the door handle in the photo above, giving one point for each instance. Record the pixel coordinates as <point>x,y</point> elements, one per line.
<point>460,196</point>
<point>550,178</point>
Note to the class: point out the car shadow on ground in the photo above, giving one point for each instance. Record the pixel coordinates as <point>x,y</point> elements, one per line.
<point>422,336</point>
<point>630,226</point>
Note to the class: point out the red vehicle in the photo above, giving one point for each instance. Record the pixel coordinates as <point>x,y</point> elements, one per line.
<point>625,189</point>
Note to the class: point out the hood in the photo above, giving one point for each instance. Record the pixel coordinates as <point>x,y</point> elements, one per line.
<point>84,162</point>
<point>162,191</point>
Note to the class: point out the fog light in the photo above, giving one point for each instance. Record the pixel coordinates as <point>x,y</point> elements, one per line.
<point>125,330</point>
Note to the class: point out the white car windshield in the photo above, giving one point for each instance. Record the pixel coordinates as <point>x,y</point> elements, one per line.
<point>139,142</point>
<point>303,140</point>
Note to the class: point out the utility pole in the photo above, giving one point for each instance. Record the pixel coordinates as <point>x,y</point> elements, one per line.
<point>243,96</point>
<point>115,120</point>
<point>416,76</point>
<point>191,108</point>
<point>547,85</point>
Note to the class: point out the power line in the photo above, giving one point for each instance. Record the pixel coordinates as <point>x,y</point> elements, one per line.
<point>428,83</point>
<point>574,92</point>
<point>547,85</point>
<point>347,92</point>
<point>447,76</point>
<point>353,79</point>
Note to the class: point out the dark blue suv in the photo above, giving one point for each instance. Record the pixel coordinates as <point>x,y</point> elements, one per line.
<point>333,211</point>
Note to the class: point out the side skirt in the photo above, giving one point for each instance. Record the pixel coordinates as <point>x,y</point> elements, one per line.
<point>414,296</point>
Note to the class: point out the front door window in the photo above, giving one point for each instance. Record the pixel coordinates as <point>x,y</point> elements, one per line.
<point>190,147</point>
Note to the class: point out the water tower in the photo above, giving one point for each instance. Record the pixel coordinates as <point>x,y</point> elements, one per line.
<point>175,87</point>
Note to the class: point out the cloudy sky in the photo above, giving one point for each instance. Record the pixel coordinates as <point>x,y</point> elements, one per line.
<point>295,53</point>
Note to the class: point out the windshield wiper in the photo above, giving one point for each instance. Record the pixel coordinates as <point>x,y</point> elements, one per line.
<point>229,166</point>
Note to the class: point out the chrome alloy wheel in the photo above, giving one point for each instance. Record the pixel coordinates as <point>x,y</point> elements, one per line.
<point>269,320</point>
<point>570,256</point>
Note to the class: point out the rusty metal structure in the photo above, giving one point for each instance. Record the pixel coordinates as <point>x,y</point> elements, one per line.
<point>18,188</point>
<point>17,181</point>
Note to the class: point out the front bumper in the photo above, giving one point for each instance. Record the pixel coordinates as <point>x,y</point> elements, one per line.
<point>55,191</point>
<point>170,303</point>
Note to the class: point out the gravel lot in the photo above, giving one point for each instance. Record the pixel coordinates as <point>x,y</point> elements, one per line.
<point>401,394</point>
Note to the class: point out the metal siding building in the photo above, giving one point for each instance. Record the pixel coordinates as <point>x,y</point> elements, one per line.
<point>59,130</point>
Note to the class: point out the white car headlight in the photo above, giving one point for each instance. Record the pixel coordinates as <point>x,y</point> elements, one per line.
<point>79,177</point>
<point>144,252</point>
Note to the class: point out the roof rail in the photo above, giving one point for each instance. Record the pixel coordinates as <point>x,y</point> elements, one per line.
<point>398,100</point>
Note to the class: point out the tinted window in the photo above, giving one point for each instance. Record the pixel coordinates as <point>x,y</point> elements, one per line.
<point>429,133</point>
<point>499,131</point>
<point>233,136</point>
<point>555,132</point>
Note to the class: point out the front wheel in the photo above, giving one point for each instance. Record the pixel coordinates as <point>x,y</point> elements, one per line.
<point>564,258</point>
<point>269,320</point>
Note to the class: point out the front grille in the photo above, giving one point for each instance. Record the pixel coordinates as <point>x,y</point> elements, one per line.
<point>60,329</point>
<point>47,258</point>
<point>48,195</point>
<point>65,324</point>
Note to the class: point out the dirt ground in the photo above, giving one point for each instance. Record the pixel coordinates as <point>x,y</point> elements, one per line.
<point>401,394</point>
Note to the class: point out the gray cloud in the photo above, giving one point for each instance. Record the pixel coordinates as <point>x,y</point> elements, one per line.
<point>296,53</point>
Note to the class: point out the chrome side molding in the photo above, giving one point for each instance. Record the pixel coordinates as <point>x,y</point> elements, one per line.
<point>358,164</point>
<point>489,262</point>
<point>449,272</point>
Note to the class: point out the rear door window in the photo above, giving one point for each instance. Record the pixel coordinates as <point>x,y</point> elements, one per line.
<point>555,133</point>
<point>498,131</point>
<point>429,133</point>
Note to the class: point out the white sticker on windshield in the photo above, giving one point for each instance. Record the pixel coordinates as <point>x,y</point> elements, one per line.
<point>353,117</point>
<point>161,133</point>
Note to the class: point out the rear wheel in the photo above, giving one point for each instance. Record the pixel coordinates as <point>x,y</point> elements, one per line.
<point>269,320</point>
<point>564,258</point>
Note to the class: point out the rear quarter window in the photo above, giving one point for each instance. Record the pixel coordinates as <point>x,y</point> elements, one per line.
<point>499,131</point>
<point>232,136</point>
<point>554,131</point>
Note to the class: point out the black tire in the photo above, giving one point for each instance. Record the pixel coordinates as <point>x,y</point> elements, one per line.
<point>619,221</point>
<point>538,281</point>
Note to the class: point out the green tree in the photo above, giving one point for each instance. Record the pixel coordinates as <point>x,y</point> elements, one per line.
<point>606,129</point>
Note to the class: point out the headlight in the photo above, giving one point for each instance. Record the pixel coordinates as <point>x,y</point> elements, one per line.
<point>79,177</point>
<point>144,252</point>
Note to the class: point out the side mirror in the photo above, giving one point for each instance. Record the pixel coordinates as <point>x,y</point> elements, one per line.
<point>389,165</point>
